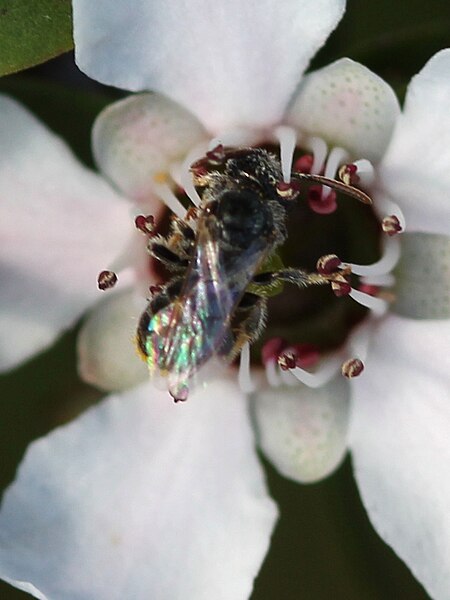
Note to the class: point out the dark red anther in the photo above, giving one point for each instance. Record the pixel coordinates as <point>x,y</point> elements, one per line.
<point>391,225</point>
<point>348,174</point>
<point>216,155</point>
<point>146,224</point>
<point>288,190</point>
<point>352,368</point>
<point>272,349</point>
<point>328,264</point>
<point>106,280</point>
<point>287,360</point>
<point>304,164</point>
<point>341,288</point>
<point>319,203</point>
<point>155,289</point>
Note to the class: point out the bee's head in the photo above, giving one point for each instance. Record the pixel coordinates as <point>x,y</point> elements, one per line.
<point>243,217</point>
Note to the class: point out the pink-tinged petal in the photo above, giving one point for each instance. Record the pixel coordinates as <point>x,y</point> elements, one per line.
<point>303,431</point>
<point>415,171</point>
<point>230,63</point>
<point>422,287</point>
<point>136,139</point>
<point>349,106</point>
<point>107,353</point>
<point>60,225</point>
<point>401,445</point>
<point>141,498</point>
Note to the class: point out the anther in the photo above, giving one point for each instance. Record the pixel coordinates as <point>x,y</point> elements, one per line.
<point>352,368</point>
<point>155,289</point>
<point>106,280</point>
<point>180,394</point>
<point>288,191</point>
<point>348,174</point>
<point>216,155</point>
<point>287,360</point>
<point>391,225</point>
<point>328,264</point>
<point>341,287</point>
<point>146,224</point>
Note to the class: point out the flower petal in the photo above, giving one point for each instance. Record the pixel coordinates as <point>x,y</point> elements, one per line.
<point>415,169</point>
<point>349,106</point>
<point>107,353</point>
<point>231,63</point>
<point>60,225</point>
<point>303,431</point>
<point>141,498</point>
<point>138,138</point>
<point>401,445</point>
<point>423,277</point>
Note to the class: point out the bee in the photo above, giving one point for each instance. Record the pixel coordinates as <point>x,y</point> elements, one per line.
<point>215,302</point>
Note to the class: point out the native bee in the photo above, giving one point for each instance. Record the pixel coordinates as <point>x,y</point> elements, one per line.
<point>211,306</point>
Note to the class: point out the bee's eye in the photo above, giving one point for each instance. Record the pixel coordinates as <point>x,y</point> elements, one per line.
<point>244,216</point>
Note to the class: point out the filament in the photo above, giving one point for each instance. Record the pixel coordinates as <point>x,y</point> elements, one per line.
<point>287,137</point>
<point>244,376</point>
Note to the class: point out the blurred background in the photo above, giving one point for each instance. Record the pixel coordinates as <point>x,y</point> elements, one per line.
<point>324,546</point>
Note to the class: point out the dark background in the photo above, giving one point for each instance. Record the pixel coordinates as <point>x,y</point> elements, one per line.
<point>324,546</point>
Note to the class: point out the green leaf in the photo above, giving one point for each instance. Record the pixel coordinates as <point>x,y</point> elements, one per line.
<point>32,32</point>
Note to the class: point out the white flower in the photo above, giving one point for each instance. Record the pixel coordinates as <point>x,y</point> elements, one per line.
<point>140,498</point>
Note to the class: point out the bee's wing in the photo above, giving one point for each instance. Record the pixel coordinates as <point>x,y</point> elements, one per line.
<point>187,335</point>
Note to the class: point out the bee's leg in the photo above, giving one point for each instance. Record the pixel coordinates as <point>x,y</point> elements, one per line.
<point>248,322</point>
<point>172,258</point>
<point>294,276</point>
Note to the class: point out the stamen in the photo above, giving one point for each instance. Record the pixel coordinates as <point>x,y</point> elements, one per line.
<point>376,305</point>
<point>244,377</point>
<point>386,263</point>
<point>352,368</point>
<point>391,225</point>
<point>365,171</point>
<point>386,206</point>
<point>106,280</point>
<point>385,279</point>
<point>319,150</point>
<point>146,224</point>
<point>216,155</point>
<point>287,137</point>
<point>269,357</point>
<point>169,199</point>
<point>304,164</point>
<point>319,202</point>
<point>336,157</point>
<point>328,264</point>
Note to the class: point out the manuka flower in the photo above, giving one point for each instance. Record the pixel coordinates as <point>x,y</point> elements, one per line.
<point>138,497</point>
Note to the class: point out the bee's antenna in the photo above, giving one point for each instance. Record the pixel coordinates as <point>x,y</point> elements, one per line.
<point>339,186</point>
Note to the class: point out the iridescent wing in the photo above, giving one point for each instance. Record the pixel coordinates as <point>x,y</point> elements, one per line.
<point>184,337</point>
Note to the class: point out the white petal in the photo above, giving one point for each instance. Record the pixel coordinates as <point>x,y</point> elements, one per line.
<point>303,431</point>
<point>422,287</point>
<point>138,138</point>
<point>60,225</point>
<point>141,498</point>
<point>231,63</point>
<point>348,106</point>
<point>401,445</point>
<point>415,171</point>
<point>106,345</point>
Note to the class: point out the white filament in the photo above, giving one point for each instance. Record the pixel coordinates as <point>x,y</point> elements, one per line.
<point>377,305</point>
<point>391,254</point>
<point>365,171</point>
<point>337,157</point>
<point>384,279</point>
<point>169,199</point>
<point>287,138</point>
<point>319,149</point>
<point>185,175</point>
<point>326,371</point>
<point>244,377</point>
<point>272,373</point>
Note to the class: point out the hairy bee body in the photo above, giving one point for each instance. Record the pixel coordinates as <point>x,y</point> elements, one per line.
<point>204,311</point>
